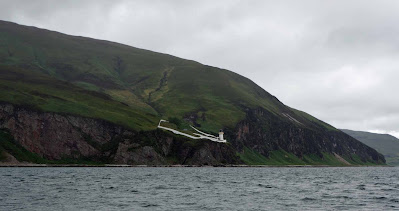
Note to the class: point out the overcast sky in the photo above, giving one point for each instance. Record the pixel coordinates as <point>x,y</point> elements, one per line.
<point>337,60</point>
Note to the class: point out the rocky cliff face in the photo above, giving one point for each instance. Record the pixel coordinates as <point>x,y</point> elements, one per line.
<point>263,132</point>
<point>56,136</point>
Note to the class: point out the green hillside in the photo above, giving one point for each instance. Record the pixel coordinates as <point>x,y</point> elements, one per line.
<point>155,84</point>
<point>384,143</point>
<point>53,72</point>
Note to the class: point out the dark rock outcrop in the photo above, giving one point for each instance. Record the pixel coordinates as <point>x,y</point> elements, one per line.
<point>263,132</point>
<point>56,136</point>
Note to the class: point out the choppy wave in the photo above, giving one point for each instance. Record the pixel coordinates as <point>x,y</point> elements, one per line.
<point>371,188</point>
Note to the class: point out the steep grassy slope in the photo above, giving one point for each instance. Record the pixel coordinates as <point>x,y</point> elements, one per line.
<point>153,83</point>
<point>54,72</point>
<point>383,143</point>
<point>37,90</point>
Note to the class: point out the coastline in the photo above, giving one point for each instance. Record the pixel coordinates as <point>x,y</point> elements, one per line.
<point>2,165</point>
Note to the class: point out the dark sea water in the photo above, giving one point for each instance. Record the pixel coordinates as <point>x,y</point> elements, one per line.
<point>366,188</point>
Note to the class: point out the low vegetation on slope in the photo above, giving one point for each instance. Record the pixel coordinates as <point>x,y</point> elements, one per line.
<point>55,66</point>
<point>52,72</point>
<point>45,93</point>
